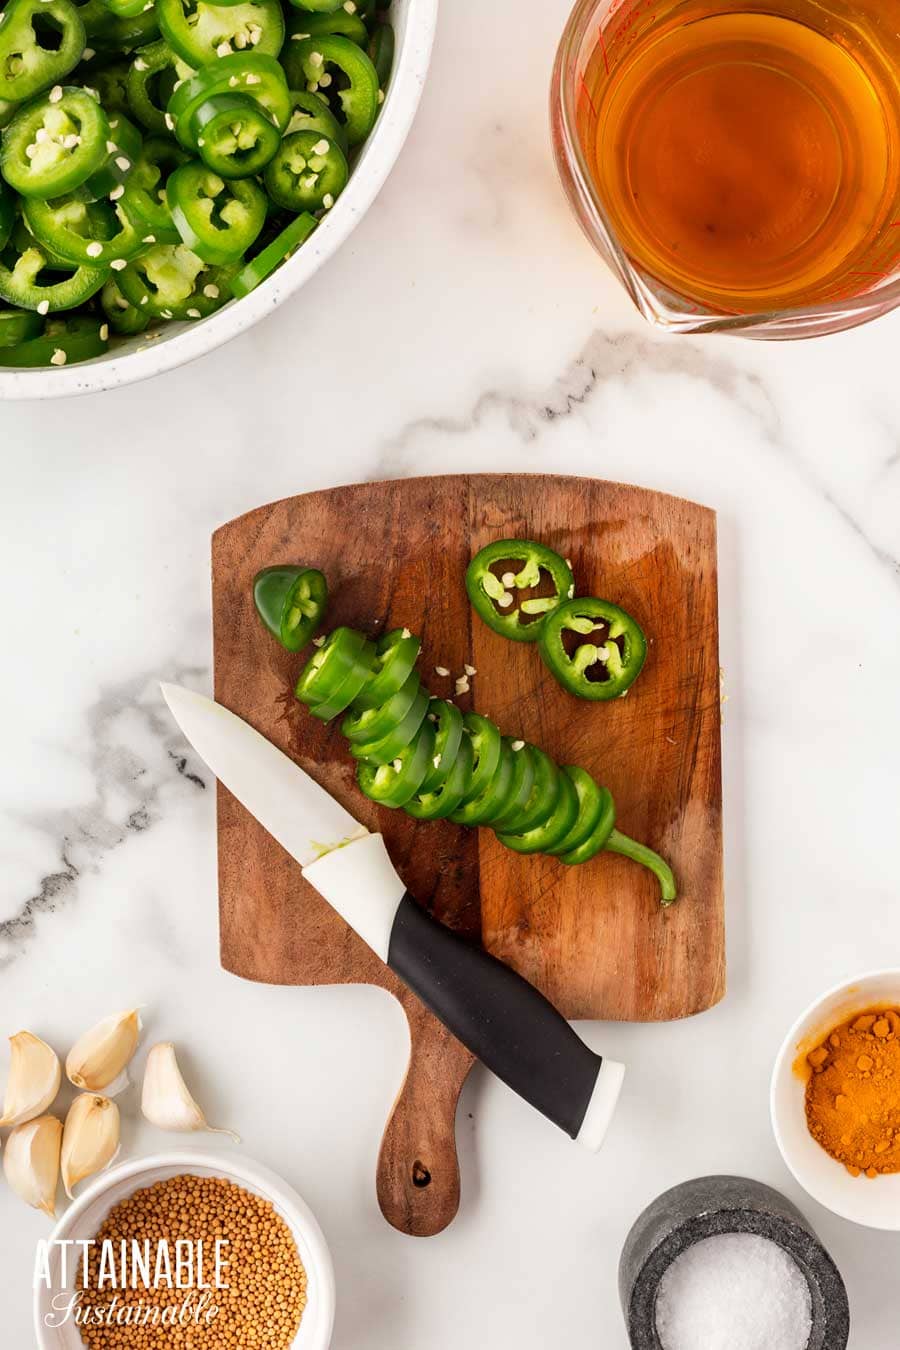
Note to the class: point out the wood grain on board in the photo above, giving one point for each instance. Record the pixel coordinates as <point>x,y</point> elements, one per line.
<point>592,937</point>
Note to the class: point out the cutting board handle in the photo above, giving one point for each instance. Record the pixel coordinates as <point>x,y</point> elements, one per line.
<point>418,1169</point>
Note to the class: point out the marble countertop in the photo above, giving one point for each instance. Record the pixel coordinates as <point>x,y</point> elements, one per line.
<point>465,326</point>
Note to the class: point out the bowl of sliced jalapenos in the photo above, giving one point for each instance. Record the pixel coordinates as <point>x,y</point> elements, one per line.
<point>172,170</point>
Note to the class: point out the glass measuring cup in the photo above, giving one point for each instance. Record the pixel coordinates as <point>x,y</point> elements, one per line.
<point>598,37</point>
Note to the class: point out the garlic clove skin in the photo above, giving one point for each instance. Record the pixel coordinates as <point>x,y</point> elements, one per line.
<point>98,1059</point>
<point>34,1079</point>
<point>166,1101</point>
<point>90,1138</point>
<point>31,1162</point>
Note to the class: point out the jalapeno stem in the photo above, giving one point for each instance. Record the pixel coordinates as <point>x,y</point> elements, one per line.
<point>639,853</point>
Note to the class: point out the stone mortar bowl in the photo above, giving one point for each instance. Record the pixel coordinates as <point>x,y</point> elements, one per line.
<point>707,1207</point>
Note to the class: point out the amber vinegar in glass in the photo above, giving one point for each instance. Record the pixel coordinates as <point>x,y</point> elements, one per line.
<point>747,159</point>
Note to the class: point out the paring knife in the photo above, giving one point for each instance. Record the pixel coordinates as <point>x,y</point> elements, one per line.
<point>507,1023</point>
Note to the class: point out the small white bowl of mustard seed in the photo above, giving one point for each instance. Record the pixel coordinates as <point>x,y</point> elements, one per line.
<point>189,1249</point>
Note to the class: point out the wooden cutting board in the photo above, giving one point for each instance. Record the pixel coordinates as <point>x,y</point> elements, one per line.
<point>593,937</point>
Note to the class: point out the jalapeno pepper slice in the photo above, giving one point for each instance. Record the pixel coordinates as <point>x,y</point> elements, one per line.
<point>598,837</point>
<point>291,601</point>
<point>7,214</point>
<point>217,219</point>
<point>447,721</point>
<point>520,789</point>
<point>150,83</point>
<point>110,82</point>
<point>328,668</point>
<point>542,838</point>
<point>600,669</point>
<point>395,660</point>
<point>486,746</point>
<point>168,281</point>
<point>40,42</point>
<point>233,135</point>
<point>310,112</point>
<point>439,802</point>
<point>394,783</point>
<point>122,315</point>
<point>493,800</point>
<point>308,172</point>
<point>92,234</point>
<point>311,60</point>
<point>121,152</point>
<point>381,52</point>
<point>54,144</point>
<point>201,33</point>
<point>144,198</point>
<point>257,76</point>
<point>280,249</point>
<point>541,801</point>
<point>398,737</point>
<point>592,801</point>
<point>317,6</point>
<point>507,566</point>
<point>36,282</point>
<point>125,9</point>
<point>62,342</point>
<point>108,32</point>
<point>338,21</point>
<point>17,326</point>
<point>372,724</point>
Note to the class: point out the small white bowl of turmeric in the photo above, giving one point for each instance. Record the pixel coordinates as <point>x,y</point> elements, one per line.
<point>215,1248</point>
<point>835,1100</point>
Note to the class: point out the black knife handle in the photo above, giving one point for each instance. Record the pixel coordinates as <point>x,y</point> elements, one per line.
<point>499,1016</point>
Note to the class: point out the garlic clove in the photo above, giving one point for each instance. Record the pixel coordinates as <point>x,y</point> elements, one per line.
<point>98,1059</point>
<point>166,1101</point>
<point>90,1138</point>
<point>31,1162</point>
<point>34,1079</point>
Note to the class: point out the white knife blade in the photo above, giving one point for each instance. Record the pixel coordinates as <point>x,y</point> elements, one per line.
<point>301,815</point>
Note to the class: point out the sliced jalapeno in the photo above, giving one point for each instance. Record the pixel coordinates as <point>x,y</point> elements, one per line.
<point>40,42</point>
<point>92,234</point>
<point>395,660</point>
<point>542,838</point>
<point>500,570</point>
<point>605,666</point>
<point>200,33</point>
<point>439,802</point>
<point>291,601</point>
<point>343,655</point>
<point>381,52</point>
<point>122,315</point>
<point>54,144</point>
<point>486,745</point>
<point>520,788</point>
<point>217,219</point>
<point>541,801</point>
<point>387,748</point>
<point>144,198</point>
<point>36,282</point>
<point>598,837</point>
<point>169,281</point>
<point>311,59</point>
<point>310,112</point>
<point>77,339</point>
<point>493,800</point>
<point>371,724</point>
<point>447,721</point>
<point>150,83</point>
<point>394,783</point>
<point>18,325</point>
<point>308,172</point>
<point>282,246</point>
<point>233,135</point>
<point>337,21</point>
<point>592,805</point>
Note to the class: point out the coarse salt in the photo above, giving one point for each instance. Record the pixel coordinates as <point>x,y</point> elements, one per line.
<point>735,1291</point>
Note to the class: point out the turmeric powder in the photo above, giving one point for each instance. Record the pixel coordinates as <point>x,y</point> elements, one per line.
<point>853,1093</point>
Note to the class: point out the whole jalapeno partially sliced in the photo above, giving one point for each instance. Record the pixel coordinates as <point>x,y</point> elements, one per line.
<point>591,804</point>
<point>308,172</point>
<point>217,219</point>
<point>396,655</point>
<point>253,273</point>
<point>447,721</point>
<point>598,837</point>
<point>17,326</point>
<point>67,341</point>
<point>150,83</point>
<point>312,58</point>
<point>500,570</point>
<point>520,788</point>
<point>36,282</point>
<point>122,315</point>
<point>202,33</point>
<point>493,800</point>
<point>291,601</point>
<point>600,669</point>
<point>40,42</point>
<point>394,783</point>
<point>389,746</point>
<point>54,144</point>
<point>542,838</point>
<point>486,746</point>
<point>371,724</point>
<point>542,800</point>
<point>440,802</point>
<point>91,234</point>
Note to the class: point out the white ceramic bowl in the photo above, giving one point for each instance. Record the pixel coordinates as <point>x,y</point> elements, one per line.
<point>875,1203</point>
<point>138,358</point>
<point>87,1213</point>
